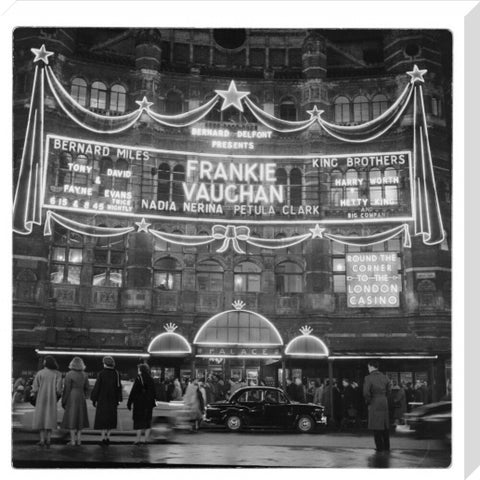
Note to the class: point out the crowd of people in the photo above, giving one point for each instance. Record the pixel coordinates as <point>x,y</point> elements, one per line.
<point>344,400</point>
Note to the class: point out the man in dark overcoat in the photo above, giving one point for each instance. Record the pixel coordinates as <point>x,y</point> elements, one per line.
<point>376,389</point>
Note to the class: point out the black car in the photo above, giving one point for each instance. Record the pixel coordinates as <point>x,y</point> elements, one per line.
<point>264,407</point>
<point>431,420</point>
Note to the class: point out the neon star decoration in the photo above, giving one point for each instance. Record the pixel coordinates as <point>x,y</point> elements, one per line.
<point>238,304</point>
<point>29,193</point>
<point>232,97</point>
<point>142,226</point>
<point>144,104</point>
<point>315,113</point>
<point>317,232</point>
<point>417,75</point>
<point>41,54</point>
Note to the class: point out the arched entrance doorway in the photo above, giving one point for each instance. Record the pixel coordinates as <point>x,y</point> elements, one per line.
<point>306,357</point>
<point>239,344</point>
<point>168,352</point>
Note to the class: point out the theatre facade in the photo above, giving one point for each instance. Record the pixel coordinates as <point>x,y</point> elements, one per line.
<point>259,203</point>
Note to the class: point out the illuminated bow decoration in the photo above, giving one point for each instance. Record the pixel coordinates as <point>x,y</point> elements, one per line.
<point>230,234</point>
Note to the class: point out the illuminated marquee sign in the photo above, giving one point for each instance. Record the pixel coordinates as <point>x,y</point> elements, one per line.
<point>96,177</point>
<point>373,280</point>
<point>242,352</point>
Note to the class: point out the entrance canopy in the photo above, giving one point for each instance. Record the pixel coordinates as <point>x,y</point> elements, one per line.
<point>238,328</point>
<point>169,343</point>
<point>306,345</point>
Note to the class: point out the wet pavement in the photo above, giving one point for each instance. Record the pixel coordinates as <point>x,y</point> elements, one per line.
<point>217,448</point>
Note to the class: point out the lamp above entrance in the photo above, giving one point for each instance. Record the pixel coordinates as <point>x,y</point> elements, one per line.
<point>307,345</point>
<point>169,343</point>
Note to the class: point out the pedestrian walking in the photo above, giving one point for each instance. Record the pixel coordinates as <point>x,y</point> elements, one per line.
<point>298,391</point>
<point>317,396</point>
<point>176,392</point>
<point>399,403</point>
<point>106,396</point>
<point>142,397</point>
<point>46,391</point>
<point>194,404</point>
<point>349,409</point>
<point>18,397</point>
<point>74,401</point>
<point>376,389</point>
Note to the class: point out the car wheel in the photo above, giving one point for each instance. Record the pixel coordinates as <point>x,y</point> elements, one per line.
<point>305,424</point>
<point>233,423</point>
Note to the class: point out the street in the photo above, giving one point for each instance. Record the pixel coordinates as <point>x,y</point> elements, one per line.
<point>217,448</point>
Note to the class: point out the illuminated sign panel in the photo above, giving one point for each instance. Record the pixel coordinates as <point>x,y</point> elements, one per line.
<point>96,177</point>
<point>238,351</point>
<point>373,280</point>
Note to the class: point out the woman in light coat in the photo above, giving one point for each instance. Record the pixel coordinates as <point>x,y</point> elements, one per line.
<point>47,389</point>
<point>194,404</point>
<point>75,391</point>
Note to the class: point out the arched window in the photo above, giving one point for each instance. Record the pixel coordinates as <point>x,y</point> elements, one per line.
<point>342,110</point>
<point>246,277</point>
<point>351,178</point>
<point>178,194</point>
<point>173,103</point>
<point>64,173</point>
<point>106,164</point>
<point>167,274</point>
<point>375,182</point>
<point>78,91</point>
<point>379,105</point>
<point>391,181</point>
<point>295,187</point>
<point>253,249</point>
<point>176,247</point>
<point>159,245</point>
<point>98,96</point>
<point>360,109</point>
<point>336,188</point>
<point>288,110</point>
<point>215,114</point>
<point>163,189</point>
<point>80,178</point>
<point>281,176</point>
<point>288,278</point>
<point>66,256</point>
<point>108,262</point>
<point>210,276</point>
<point>25,285</point>
<point>118,99</point>
<point>383,186</point>
<point>206,247</point>
<point>121,183</point>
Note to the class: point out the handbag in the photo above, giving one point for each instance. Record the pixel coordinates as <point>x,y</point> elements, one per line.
<point>33,398</point>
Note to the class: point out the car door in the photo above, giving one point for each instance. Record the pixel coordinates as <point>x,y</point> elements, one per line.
<point>251,403</point>
<point>278,410</point>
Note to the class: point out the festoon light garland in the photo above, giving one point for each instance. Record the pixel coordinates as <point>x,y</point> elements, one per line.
<point>29,194</point>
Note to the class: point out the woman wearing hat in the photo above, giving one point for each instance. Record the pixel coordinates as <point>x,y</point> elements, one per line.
<point>46,389</point>
<point>142,397</point>
<point>74,402</point>
<point>105,396</point>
